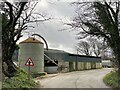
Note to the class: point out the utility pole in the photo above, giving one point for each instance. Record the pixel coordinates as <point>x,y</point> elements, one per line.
<point>76,63</point>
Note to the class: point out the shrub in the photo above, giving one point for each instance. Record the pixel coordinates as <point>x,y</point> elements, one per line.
<point>112,79</point>
<point>20,80</point>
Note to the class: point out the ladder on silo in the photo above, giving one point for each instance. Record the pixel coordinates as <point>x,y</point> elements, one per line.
<point>51,59</point>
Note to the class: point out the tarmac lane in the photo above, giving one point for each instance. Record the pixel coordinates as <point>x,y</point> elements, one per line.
<point>77,79</point>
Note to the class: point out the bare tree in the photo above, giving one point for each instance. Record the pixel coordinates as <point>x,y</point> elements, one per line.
<point>93,47</point>
<point>84,48</point>
<point>101,19</point>
<point>15,19</point>
<point>98,46</point>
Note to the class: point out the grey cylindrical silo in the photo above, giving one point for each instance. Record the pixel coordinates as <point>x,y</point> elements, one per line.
<point>34,49</point>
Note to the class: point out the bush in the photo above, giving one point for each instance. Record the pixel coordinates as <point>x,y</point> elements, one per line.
<point>112,79</point>
<point>20,80</point>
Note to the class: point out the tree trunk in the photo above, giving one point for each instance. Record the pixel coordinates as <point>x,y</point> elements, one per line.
<point>118,59</point>
<point>117,55</point>
<point>7,53</point>
<point>9,69</point>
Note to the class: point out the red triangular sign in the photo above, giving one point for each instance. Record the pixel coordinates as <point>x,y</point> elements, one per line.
<point>29,62</point>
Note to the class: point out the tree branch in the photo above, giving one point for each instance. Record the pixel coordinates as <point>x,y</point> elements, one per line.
<point>10,13</point>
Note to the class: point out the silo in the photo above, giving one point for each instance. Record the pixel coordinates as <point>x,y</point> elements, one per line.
<point>34,49</point>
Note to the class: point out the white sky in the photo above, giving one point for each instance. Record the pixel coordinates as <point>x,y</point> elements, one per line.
<point>62,11</point>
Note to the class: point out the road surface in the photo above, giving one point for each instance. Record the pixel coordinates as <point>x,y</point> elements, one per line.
<point>77,79</point>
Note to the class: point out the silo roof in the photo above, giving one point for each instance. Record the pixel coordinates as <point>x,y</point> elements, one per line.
<point>31,40</point>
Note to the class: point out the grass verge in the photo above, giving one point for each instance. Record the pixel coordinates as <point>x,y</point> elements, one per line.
<point>112,79</point>
<point>20,80</point>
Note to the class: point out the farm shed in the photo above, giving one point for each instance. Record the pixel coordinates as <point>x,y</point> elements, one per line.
<point>69,62</point>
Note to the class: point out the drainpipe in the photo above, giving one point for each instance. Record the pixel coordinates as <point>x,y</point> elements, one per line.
<point>43,40</point>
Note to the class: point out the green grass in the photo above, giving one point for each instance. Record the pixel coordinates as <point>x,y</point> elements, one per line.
<point>20,80</point>
<point>111,79</point>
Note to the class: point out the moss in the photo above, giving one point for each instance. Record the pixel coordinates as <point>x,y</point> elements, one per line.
<point>20,80</point>
<point>111,79</point>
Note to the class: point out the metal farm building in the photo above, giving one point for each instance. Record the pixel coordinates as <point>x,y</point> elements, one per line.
<point>69,62</point>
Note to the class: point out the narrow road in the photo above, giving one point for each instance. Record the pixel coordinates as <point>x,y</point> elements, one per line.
<point>77,79</point>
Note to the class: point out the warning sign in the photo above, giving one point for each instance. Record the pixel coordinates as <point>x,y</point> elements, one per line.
<point>29,62</point>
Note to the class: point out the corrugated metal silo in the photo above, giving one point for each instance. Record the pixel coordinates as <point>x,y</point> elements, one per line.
<point>34,49</point>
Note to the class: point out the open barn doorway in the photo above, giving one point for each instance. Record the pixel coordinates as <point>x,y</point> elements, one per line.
<point>51,66</point>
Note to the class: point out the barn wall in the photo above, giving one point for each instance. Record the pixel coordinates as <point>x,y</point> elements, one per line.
<point>98,65</point>
<point>93,65</point>
<point>74,67</point>
<point>80,65</point>
<point>88,65</point>
<point>71,66</point>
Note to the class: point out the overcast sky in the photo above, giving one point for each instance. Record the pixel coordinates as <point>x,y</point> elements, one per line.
<point>62,11</point>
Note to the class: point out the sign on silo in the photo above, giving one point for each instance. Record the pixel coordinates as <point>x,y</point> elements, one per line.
<point>29,63</point>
